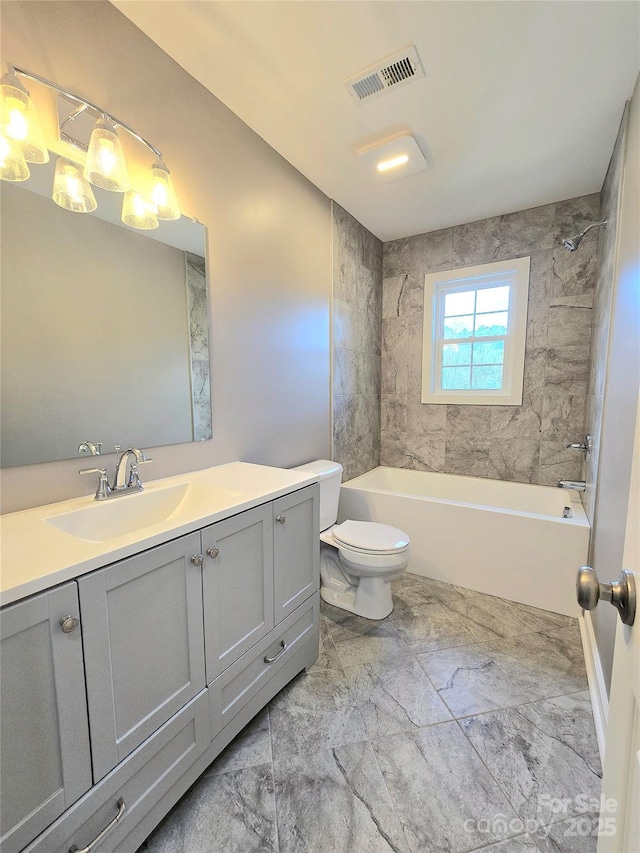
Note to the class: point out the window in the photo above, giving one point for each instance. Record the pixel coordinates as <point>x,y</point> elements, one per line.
<point>475,322</point>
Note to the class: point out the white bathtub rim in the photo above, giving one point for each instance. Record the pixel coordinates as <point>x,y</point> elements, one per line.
<point>579,519</point>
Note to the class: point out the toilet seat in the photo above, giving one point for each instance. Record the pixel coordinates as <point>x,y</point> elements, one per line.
<point>367,537</point>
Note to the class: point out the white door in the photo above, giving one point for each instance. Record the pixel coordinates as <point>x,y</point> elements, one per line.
<point>621,778</point>
<point>620,812</point>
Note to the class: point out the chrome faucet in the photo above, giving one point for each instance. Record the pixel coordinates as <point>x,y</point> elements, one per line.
<point>578,485</point>
<point>119,484</point>
<point>120,487</point>
<point>90,447</point>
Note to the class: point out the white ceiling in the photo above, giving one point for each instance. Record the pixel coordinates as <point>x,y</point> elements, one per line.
<point>520,104</point>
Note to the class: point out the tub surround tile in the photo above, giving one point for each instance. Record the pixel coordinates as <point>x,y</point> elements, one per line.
<point>474,242</point>
<point>469,681</point>
<point>393,413</point>
<point>550,661</point>
<point>440,789</point>
<point>315,711</point>
<point>250,748</point>
<point>395,256</point>
<point>526,231</point>
<point>357,317</point>
<point>547,750</point>
<point>558,463</point>
<point>515,459</point>
<point>232,811</point>
<point>395,697</point>
<point>335,800</point>
<point>563,419</point>
<point>557,343</point>
<point>431,252</point>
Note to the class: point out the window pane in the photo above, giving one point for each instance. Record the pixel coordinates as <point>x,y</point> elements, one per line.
<point>459,303</point>
<point>456,353</point>
<point>487,378</point>
<point>456,378</point>
<point>459,327</point>
<point>493,299</point>
<point>490,353</point>
<point>491,324</point>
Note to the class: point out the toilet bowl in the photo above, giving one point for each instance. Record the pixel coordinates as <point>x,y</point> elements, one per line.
<point>358,559</point>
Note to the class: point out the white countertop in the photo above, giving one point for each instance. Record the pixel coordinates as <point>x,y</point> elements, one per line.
<point>36,555</point>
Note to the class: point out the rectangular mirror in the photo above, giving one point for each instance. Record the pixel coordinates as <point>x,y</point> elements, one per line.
<point>105,332</point>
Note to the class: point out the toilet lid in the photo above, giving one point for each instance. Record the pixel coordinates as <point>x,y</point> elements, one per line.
<point>370,536</point>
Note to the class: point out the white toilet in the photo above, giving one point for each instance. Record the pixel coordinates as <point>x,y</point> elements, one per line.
<point>358,559</point>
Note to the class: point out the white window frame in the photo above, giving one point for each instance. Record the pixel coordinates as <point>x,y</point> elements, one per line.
<point>436,285</point>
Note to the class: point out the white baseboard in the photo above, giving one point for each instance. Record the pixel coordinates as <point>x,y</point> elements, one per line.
<point>595,677</point>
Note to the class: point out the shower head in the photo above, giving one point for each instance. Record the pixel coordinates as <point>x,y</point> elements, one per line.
<point>572,243</point>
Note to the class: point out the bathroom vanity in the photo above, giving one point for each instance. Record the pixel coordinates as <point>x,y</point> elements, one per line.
<point>138,638</point>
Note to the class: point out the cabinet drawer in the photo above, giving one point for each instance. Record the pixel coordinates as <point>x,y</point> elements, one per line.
<point>237,685</point>
<point>139,782</point>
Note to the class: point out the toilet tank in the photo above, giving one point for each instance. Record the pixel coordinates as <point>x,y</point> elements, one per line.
<point>329,476</point>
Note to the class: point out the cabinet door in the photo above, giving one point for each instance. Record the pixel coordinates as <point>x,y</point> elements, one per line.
<point>143,642</point>
<point>238,586</point>
<point>46,762</point>
<point>296,548</point>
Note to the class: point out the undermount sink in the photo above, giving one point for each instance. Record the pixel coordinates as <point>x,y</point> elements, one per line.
<point>128,514</point>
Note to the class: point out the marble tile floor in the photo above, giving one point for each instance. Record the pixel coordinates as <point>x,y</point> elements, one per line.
<point>460,723</point>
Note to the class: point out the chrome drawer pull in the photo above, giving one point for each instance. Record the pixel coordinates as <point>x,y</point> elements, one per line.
<point>266,660</point>
<point>105,831</point>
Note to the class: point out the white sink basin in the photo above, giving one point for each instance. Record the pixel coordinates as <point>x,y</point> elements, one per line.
<point>128,514</point>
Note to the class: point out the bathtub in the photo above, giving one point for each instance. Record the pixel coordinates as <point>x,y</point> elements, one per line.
<point>504,539</point>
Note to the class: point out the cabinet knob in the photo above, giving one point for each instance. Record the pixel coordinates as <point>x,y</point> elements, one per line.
<point>69,623</point>
<point>281,519</point>
<point>197,559</point>
<point>213,552</point>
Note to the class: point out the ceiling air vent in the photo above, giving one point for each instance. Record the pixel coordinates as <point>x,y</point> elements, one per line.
<point>390,73</point>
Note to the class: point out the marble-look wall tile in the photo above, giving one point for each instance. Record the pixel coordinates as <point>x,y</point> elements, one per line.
<point>357,345</point>
<point>502,442</point>
<point>199,346</point>
<point>602,302</point>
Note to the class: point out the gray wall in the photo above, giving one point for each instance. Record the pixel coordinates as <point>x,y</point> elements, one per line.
<point>72,331</point>
<point>269,244</point>
<point>604,618</point>
<point>357,312</point>
<point>520,443</point>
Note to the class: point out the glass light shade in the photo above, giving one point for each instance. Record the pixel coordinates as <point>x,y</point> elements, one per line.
<point>70,188</point>
<point>139,212</point>
<point>105,166</point>
<point>163,194</point>
<point>13,166</point>
<point>19,120</point>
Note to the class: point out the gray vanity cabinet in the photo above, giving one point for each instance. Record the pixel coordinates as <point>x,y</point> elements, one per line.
<point>237,581</point>
<point>296,550</point>
<point>143,640</point>
<point>46,762</point>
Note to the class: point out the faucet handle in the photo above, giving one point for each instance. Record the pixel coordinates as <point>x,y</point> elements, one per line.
<point>103,485</point>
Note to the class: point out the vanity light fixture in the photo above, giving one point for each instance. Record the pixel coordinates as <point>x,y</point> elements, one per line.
<point>70,188</point>
<point>139,212</point>
<point>19,119</point>
<point>22,141</point>
<point>105,166</point>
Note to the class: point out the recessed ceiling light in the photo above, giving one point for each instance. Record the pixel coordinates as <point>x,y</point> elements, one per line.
<point>393,158</point>
<point>393,163</point>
